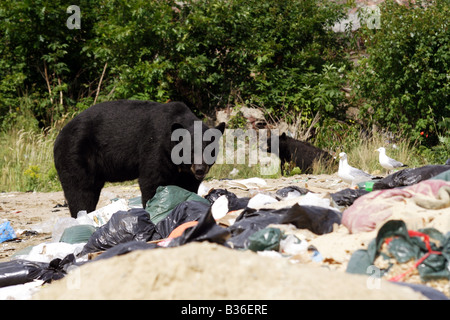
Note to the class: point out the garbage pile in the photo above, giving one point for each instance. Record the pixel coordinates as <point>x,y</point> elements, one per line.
<point>174,217</point>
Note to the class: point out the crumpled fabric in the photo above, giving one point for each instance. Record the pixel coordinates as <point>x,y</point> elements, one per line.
<point>374,208</point>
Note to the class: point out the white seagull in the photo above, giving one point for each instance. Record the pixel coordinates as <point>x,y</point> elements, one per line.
<point>388,163</point>
<point>350,174</point>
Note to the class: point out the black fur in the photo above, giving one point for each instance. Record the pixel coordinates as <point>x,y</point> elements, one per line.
<point>301,153</point>
<point>119,141</point>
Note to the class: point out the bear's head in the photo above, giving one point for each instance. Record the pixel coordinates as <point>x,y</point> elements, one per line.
<point>195,147</point>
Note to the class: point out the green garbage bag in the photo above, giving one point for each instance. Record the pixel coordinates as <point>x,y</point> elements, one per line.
<point>405,246</point>
<point>442,176</point>
<point>265,239</point>
<point>166,198</point>
<point>77,234</point>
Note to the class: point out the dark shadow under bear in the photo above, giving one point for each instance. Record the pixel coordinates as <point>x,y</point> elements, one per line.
<point>301,153</point>
<point>125,140</point>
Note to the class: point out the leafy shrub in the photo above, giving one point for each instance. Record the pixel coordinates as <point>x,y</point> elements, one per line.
<point>208,54</point>
<point>404,83</point>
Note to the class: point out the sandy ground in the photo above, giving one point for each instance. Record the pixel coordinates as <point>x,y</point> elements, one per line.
<point>206,263</point>
<point>38,212</point>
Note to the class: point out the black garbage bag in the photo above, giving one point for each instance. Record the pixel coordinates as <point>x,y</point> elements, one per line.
<point>124,248</point>
<point>22,271</point>
<point>123,226</point>
<point>410,176</point>
<point>292,191</point>
<point>206,230</point>
<point>57,268</point>
<point>19,272</point>
<point>347,196</point>
<point>316,219</point>
<point>183,212</point>
<point>234,203</point>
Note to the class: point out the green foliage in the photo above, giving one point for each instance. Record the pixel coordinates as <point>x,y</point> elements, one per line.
<point>404,82</point>
<point>208,54</point>
<point>32,175</point>
<point>237,121</point>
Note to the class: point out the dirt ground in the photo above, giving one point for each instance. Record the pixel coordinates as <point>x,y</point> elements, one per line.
<point>33,216</point>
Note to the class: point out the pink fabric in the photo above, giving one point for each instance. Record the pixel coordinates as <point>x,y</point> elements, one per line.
<point>375,207</point>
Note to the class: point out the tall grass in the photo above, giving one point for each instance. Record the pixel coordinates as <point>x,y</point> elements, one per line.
<point>26,160</point>
<point>361,151</point>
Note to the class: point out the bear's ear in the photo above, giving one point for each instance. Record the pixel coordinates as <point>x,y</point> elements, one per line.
<point>176,126</point>
<point>283,136</point>
<point>221,127</point>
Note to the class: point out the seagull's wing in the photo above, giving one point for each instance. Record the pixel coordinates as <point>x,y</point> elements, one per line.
<point>394,162</point>
<point>358,173</point>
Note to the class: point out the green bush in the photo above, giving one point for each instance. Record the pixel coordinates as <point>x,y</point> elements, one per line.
<point>281,55</point>
<point>404,83</point>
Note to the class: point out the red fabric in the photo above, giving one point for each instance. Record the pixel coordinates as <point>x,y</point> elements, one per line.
<point>374,208</point>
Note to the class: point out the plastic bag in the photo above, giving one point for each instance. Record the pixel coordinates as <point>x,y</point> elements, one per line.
<point>124,226</point>
<point>78,234</point>
<point>6,232</point>
<point>405,245</point>
<point>48,251</point>
<point>22,271</point>
<point>291,192</point>
<point>19,271</point>
<point>184,212</point>
<point>124,248</point>
<point>166,199</point>
<point>260,199</point>
<point>407,177</point>
<point>319,220</point>
<point>205,230</point>
<point>265,239</point>
<point>442,176</point>
<point>347,196</point>
<point>234,203</point>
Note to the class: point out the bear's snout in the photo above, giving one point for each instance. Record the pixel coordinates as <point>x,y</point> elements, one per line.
<point>199,171</point>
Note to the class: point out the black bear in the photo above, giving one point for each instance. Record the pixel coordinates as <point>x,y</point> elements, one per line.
<point>301,153</point>
<point>125,140</point>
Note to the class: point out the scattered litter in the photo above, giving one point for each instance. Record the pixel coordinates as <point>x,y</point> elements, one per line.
<point>410,176</point>
<point>174,217</point>
<point>265,239</point>
<point>250,183</point>
<point>102,215</point>
<point>422,203</point>
<point>260,199</point>
<point>220,207</point>
<point>347,196</point>
<point>123,226</point>
<point>395,244</point>
<point>166,199</point>
<point>234,203</point>
<point>47,251</point>
<point>291,192</point>
<point>6,232</point>
<point>20,291</point>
